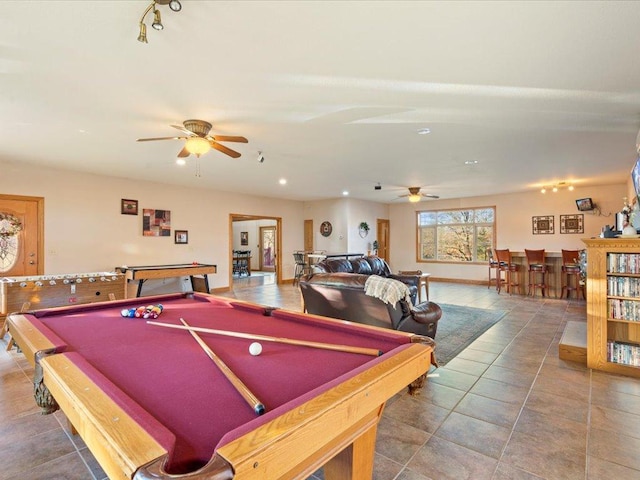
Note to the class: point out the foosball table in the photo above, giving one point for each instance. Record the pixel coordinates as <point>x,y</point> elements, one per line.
<point>45,291</point>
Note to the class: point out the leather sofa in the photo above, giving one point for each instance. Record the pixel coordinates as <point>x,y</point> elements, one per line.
<point>342,295</point>
<point>367,265</point>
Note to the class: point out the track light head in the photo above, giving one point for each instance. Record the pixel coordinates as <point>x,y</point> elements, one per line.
<point>260,157</point>
<point>175,5</point>
<point>142,37</point>
<point>157,20</point>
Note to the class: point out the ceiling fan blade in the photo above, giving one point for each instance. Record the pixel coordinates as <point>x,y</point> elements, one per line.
<point>184,153</point>
<point>430,195</point>
<point>223,149</point>
<point>227,138</point>
<point>184,130</point>
<point>159,138</point>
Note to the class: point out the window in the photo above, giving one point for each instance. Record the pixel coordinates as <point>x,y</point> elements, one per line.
<point>464,235</point>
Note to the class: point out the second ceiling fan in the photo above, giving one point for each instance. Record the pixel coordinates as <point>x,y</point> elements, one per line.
<point>415,195</point>
<point>198,140</point>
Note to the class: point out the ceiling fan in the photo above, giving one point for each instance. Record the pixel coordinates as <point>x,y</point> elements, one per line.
<point>415,195</point>
<point>198,140</point>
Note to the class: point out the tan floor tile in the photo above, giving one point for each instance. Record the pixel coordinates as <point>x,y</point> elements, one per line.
<point>453,379</point>
<point>549,461</point>
<point>440,395</point>
<point>616,400</point>
<point>489,410</point>
<point>443,460</point>
<point>399,441</point>
<point>500,391</point>
<point>509,472</point>
<point>417,414</point>
<point>481,356</point>
<point>562,406</point>
<point>615,421</point>
<point>480,436</point>
<point>597,469</point>
<point>507,375</point>
<point>467,366</point>
<point>614,447</point>
<point>551,429</point>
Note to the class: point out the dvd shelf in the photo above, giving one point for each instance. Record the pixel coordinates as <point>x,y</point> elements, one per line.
<point>613,305</point>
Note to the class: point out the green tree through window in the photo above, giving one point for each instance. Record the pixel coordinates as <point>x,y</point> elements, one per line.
<point>463,235</point>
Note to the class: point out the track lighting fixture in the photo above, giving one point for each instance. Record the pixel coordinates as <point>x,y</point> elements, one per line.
<point>174,5</point>
<point>557,186</point>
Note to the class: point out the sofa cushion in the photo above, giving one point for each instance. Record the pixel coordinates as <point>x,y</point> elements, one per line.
<point>361,266</point>
<point>378,266</point>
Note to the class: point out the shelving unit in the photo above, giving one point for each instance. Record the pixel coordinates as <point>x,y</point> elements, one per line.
<point>613,305</point>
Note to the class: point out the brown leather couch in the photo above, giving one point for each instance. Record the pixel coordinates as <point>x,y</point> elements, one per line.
<point>368,265</point>
<point>342,295</point>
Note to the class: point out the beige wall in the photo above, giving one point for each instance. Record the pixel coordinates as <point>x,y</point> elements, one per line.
<point>513,221</point>
<point>84,230</point>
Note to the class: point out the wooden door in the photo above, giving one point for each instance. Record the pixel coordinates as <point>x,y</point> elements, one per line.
<point>21,248</point>
<point>383,238</point>
<point>267,249</point>
<point>308,235</point>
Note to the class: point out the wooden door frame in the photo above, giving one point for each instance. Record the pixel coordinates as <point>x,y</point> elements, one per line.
<point>39,201</point>
<point>237,217</point>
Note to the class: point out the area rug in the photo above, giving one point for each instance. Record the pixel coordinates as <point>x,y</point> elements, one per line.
<point>459,326</point>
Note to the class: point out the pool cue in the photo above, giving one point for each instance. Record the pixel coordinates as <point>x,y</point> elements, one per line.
<point>242,389</point>
<point>326,346</point>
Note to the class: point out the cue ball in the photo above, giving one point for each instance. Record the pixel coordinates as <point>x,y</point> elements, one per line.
<point>255,348</point>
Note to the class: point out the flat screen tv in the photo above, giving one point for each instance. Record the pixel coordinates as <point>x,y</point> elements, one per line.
<point>635,177</point>
<point>584,204</point>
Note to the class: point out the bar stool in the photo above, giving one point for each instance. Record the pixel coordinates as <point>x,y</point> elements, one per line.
<point>571,274</point>
<point>537,271</point>
<point>493,265</point>
<point>301,266</point>
<point>510,269</point>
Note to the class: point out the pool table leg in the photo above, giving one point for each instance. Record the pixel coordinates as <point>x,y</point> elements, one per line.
<point>355,462</point>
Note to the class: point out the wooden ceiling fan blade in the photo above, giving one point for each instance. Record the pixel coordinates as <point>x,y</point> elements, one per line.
<point>228,138</point>
<point>184,153</point>
<point>430,195</point>
<point>223,149</point>
<point>159,138</point>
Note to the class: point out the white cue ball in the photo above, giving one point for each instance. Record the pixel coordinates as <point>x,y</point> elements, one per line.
<point>255,349</point>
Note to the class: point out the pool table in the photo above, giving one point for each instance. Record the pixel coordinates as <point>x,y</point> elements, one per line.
<point>149,403</point>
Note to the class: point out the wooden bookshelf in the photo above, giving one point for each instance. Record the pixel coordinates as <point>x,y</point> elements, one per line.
<point>613,305</point>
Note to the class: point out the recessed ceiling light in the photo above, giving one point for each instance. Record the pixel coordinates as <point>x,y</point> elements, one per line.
<point>345,193</point>
<point>283,181</point>
<point>471,162</point>
<point>424,131</point>
<point>181,161</point>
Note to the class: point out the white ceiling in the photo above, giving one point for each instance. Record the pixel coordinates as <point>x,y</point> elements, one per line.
<point>332,93</point>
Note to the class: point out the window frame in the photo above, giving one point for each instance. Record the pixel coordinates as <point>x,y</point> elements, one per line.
<point>474,225</point>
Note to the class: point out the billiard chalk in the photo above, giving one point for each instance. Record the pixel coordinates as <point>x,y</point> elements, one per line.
<point>255,349</point>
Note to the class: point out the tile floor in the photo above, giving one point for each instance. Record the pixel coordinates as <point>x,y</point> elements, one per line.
<point>505,408</point>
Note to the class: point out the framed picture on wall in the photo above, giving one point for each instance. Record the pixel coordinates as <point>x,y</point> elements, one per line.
<point>244,238</point>
<point>181,236</point>
<point>128,207</point>
<point>156,223</point>
<point>542,225</point>
<point>572,223</point>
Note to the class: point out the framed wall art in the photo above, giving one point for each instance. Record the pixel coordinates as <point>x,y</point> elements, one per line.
<point>542,225</point>
<point>156,223</point>
<point>572,223</point>
<point>244,238</point>
<point>181,236</point>
<point>128,207</point>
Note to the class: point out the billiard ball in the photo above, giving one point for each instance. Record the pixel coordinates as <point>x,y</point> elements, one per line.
<point>255,349</point>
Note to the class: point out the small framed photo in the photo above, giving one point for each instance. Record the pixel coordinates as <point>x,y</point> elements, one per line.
<point>572,223</point>
<point>244,238</point>
<point>543,225</point>
<point>181,236</point>
<point>129,207</point>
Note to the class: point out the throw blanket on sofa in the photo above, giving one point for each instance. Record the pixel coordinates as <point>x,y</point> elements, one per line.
<point>387,289</point>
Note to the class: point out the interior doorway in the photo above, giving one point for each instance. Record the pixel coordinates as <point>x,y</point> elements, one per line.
<point>262,236</point>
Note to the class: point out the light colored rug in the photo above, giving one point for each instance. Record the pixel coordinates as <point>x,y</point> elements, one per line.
<point>460,326</point>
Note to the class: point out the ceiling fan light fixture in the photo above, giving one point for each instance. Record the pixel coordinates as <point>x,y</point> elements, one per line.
<point>181,161</point>
<point>157,20</point>
<point>414,197</point>
<point>197,145</point>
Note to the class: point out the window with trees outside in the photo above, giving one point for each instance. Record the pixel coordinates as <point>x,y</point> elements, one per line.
<point>464,235</point>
